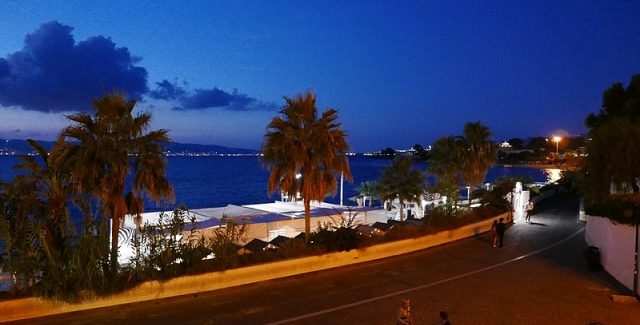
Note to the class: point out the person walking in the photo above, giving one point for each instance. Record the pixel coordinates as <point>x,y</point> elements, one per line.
<point>494,231</point>
<point>500,228</point>
<point>529,210</point>
<point>404,314</point>
<point>444,318</point>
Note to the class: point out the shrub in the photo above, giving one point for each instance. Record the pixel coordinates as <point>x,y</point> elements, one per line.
<point>337,235</point>
<point>170,248</point>
<point>620,208</point>
<point>222,243</point>
<point>441,218</point>
<point>403,230</point>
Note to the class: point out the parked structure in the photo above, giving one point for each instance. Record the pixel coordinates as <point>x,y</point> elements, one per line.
<point>264,222</point>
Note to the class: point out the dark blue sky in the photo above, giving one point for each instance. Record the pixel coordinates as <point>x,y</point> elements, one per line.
<point>400,72</point>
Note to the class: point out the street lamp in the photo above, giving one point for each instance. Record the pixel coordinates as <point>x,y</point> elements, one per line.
<point>557,139</point>
<point>469,195</point>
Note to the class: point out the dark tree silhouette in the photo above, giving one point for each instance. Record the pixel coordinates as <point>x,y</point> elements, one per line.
<point>114,146</point>
<point>298,142</point>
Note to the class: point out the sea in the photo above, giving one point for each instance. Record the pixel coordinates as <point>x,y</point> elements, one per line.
<point>216,181</point>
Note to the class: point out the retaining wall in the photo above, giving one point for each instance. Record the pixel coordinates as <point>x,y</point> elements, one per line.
<point>36,307</point>
<point>617,247</point>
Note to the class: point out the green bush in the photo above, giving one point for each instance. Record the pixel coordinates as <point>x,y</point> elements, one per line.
<point>171,247</point>
<point>441,218</point>
<point>621,208</point>
<point>402,230</point>
<point>222,243</point>
<point>338,235</point>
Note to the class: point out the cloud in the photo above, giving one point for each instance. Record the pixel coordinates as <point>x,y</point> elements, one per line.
<point>53,73</point>
<point>200,99</point>
<point>167,91</point>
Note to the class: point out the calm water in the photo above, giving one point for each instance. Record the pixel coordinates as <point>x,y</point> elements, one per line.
<point>201,182</point>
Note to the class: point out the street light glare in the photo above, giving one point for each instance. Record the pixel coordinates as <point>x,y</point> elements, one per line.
<point>557,139</point>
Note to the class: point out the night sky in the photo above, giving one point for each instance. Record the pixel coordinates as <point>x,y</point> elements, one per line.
<point>399,72</point>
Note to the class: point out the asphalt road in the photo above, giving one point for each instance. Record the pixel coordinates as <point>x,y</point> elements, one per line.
<point>540,276</point>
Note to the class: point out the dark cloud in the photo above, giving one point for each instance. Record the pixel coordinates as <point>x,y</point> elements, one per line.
<point>4,68</point>
<point>53,73</point>
<point>200,99</point>
<point>167,91</point>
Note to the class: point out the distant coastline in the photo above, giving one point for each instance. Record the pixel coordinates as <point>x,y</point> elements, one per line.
<point>16,147</point>
<point>538,166</point>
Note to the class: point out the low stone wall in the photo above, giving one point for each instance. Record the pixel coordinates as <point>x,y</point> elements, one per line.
<point>35,307</point>
<point>616,244</point>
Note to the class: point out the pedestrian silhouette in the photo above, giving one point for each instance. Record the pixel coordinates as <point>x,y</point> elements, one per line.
<point>444,318</point>
<point>494,231</point>
<point>529,209</point>
<point>404,314</point>
<point>500,228</point>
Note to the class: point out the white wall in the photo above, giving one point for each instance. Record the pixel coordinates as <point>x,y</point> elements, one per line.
<point>617,246</point>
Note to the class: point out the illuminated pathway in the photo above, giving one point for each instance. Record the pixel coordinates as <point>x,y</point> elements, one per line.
<point>539,277</point>
<point>422,287</point>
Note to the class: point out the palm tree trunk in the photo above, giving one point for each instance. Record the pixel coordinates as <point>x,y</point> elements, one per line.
<point>307,219</point>
<point>401,209</point>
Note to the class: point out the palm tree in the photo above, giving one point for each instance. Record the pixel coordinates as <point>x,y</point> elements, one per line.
<point>299,143</point>
<point>445,165</point>
<point>36,224</point>
<point>111,148</point>
<point>400,180</point>
<point>477,154</point>
<point>366,190</point>
<point>19,234</point>
<point>47,175</point>
<point>445,160</point>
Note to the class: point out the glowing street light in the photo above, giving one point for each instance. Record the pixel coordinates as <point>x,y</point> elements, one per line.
<point>557,139</point>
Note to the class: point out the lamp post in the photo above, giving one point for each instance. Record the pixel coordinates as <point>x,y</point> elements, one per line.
<point>298,180</point>
<point>557,139</point>
<point>469,195</point>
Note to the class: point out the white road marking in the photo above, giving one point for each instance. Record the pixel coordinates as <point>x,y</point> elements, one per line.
<point>401,292</point>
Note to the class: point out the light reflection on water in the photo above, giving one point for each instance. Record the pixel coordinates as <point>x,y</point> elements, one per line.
<point>553,174</point>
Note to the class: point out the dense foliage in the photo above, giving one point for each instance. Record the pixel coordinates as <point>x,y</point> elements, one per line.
<point>400,180</point>
<point>462,159</point>
<point>339,235</point>
<point>54,215</point>
<point>612,168</point>
<point>305,152</point>
<point>114,147</point>
<point>174,246</point>
<point>622,208</point>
